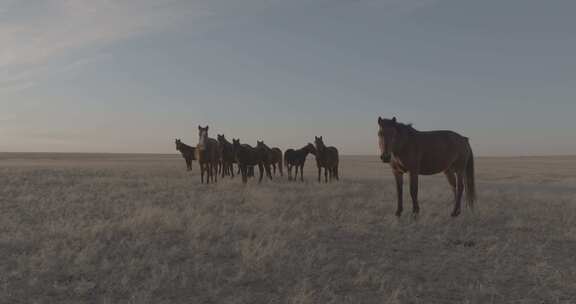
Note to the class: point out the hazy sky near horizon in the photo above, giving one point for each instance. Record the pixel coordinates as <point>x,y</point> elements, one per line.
<point>131,75</point>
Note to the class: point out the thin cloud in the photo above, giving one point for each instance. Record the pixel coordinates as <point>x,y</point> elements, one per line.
<point>38,38</point>
<point>67,25</point>
<point>37,34</point>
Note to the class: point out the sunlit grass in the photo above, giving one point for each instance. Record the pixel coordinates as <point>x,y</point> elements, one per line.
<point>148,232</point>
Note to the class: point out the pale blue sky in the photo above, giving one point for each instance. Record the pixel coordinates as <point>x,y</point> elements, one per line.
<point>131,75</point>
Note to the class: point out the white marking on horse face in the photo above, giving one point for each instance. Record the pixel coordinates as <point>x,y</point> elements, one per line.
<point>203,136</point>
<point>381,142</point>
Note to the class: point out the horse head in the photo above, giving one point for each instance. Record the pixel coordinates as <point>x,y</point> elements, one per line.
<point>388,129</point>
<point>310,148</point>
<point>202,136</point>
<point>319,143</point>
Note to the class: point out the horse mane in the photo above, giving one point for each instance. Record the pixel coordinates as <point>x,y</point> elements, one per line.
<point>186,146</point>
<point>264,145</point>
<point>407,127</point>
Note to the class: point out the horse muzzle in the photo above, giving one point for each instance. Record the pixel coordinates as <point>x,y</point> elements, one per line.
<point>386,157</point>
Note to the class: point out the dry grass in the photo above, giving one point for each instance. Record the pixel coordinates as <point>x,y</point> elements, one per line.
<point>139,229</point>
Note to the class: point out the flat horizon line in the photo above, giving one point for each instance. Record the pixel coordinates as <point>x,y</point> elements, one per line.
<point>345,155</point>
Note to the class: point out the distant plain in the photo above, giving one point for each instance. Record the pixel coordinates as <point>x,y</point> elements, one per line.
<point>138,228</point>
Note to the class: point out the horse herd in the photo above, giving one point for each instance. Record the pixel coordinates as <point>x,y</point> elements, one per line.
<point>218,156</point>
<point>405,149</point>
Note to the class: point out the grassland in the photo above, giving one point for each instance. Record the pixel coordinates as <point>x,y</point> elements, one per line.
<point>140,229</point>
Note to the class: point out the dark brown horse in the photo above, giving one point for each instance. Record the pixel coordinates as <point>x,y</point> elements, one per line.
<point>425,153</point>
<point>327,158</point>
<point>227,152</point>
<point>297,159</point>
<point>274,156</point>
<point>248,157</point>
<point>188,153</point>
<point>208,155</point>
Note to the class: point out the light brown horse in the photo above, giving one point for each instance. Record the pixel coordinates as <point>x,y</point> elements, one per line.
<point>274,156</point>
<point>425,153</point>
<point>327,158</point>
<point>208,155</point>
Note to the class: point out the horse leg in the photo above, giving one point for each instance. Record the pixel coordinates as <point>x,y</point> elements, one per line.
<point>201,173</point>
<point>268,171</point>
<point>302,173</point>
<point>336,173</point>
<point>414,193</point>
<point>459,191</point>
<point>231,169</point>
<point>331,174</point>
<point>326,174</point>
<point>209,169</point>
<point>451,177</point>
<point>280,167</point>
<point>399,177</point>
<point>274,168</point>
<point>261,169</point>
<point>213,169</point>
<point>244,173</point>
<point>215,177</point>
<point>319,174</point>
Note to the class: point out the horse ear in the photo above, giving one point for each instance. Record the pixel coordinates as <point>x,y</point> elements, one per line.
<point>379,120</point>
<point>394,119</point>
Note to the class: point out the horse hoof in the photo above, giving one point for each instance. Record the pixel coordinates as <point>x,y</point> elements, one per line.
<point>455,213</point>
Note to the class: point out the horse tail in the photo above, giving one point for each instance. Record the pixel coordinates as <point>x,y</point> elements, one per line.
<point>336,163</point>
<point>470,185</point>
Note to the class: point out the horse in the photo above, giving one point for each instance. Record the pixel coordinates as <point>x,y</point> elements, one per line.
<point>327,158</point>
<point>248,157</point>
<point>208,155</point>
<point>188,153</point>
<point>227,152</point>
<point>414,152</point>
<point>274,156</point>
<point>297,158</point>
